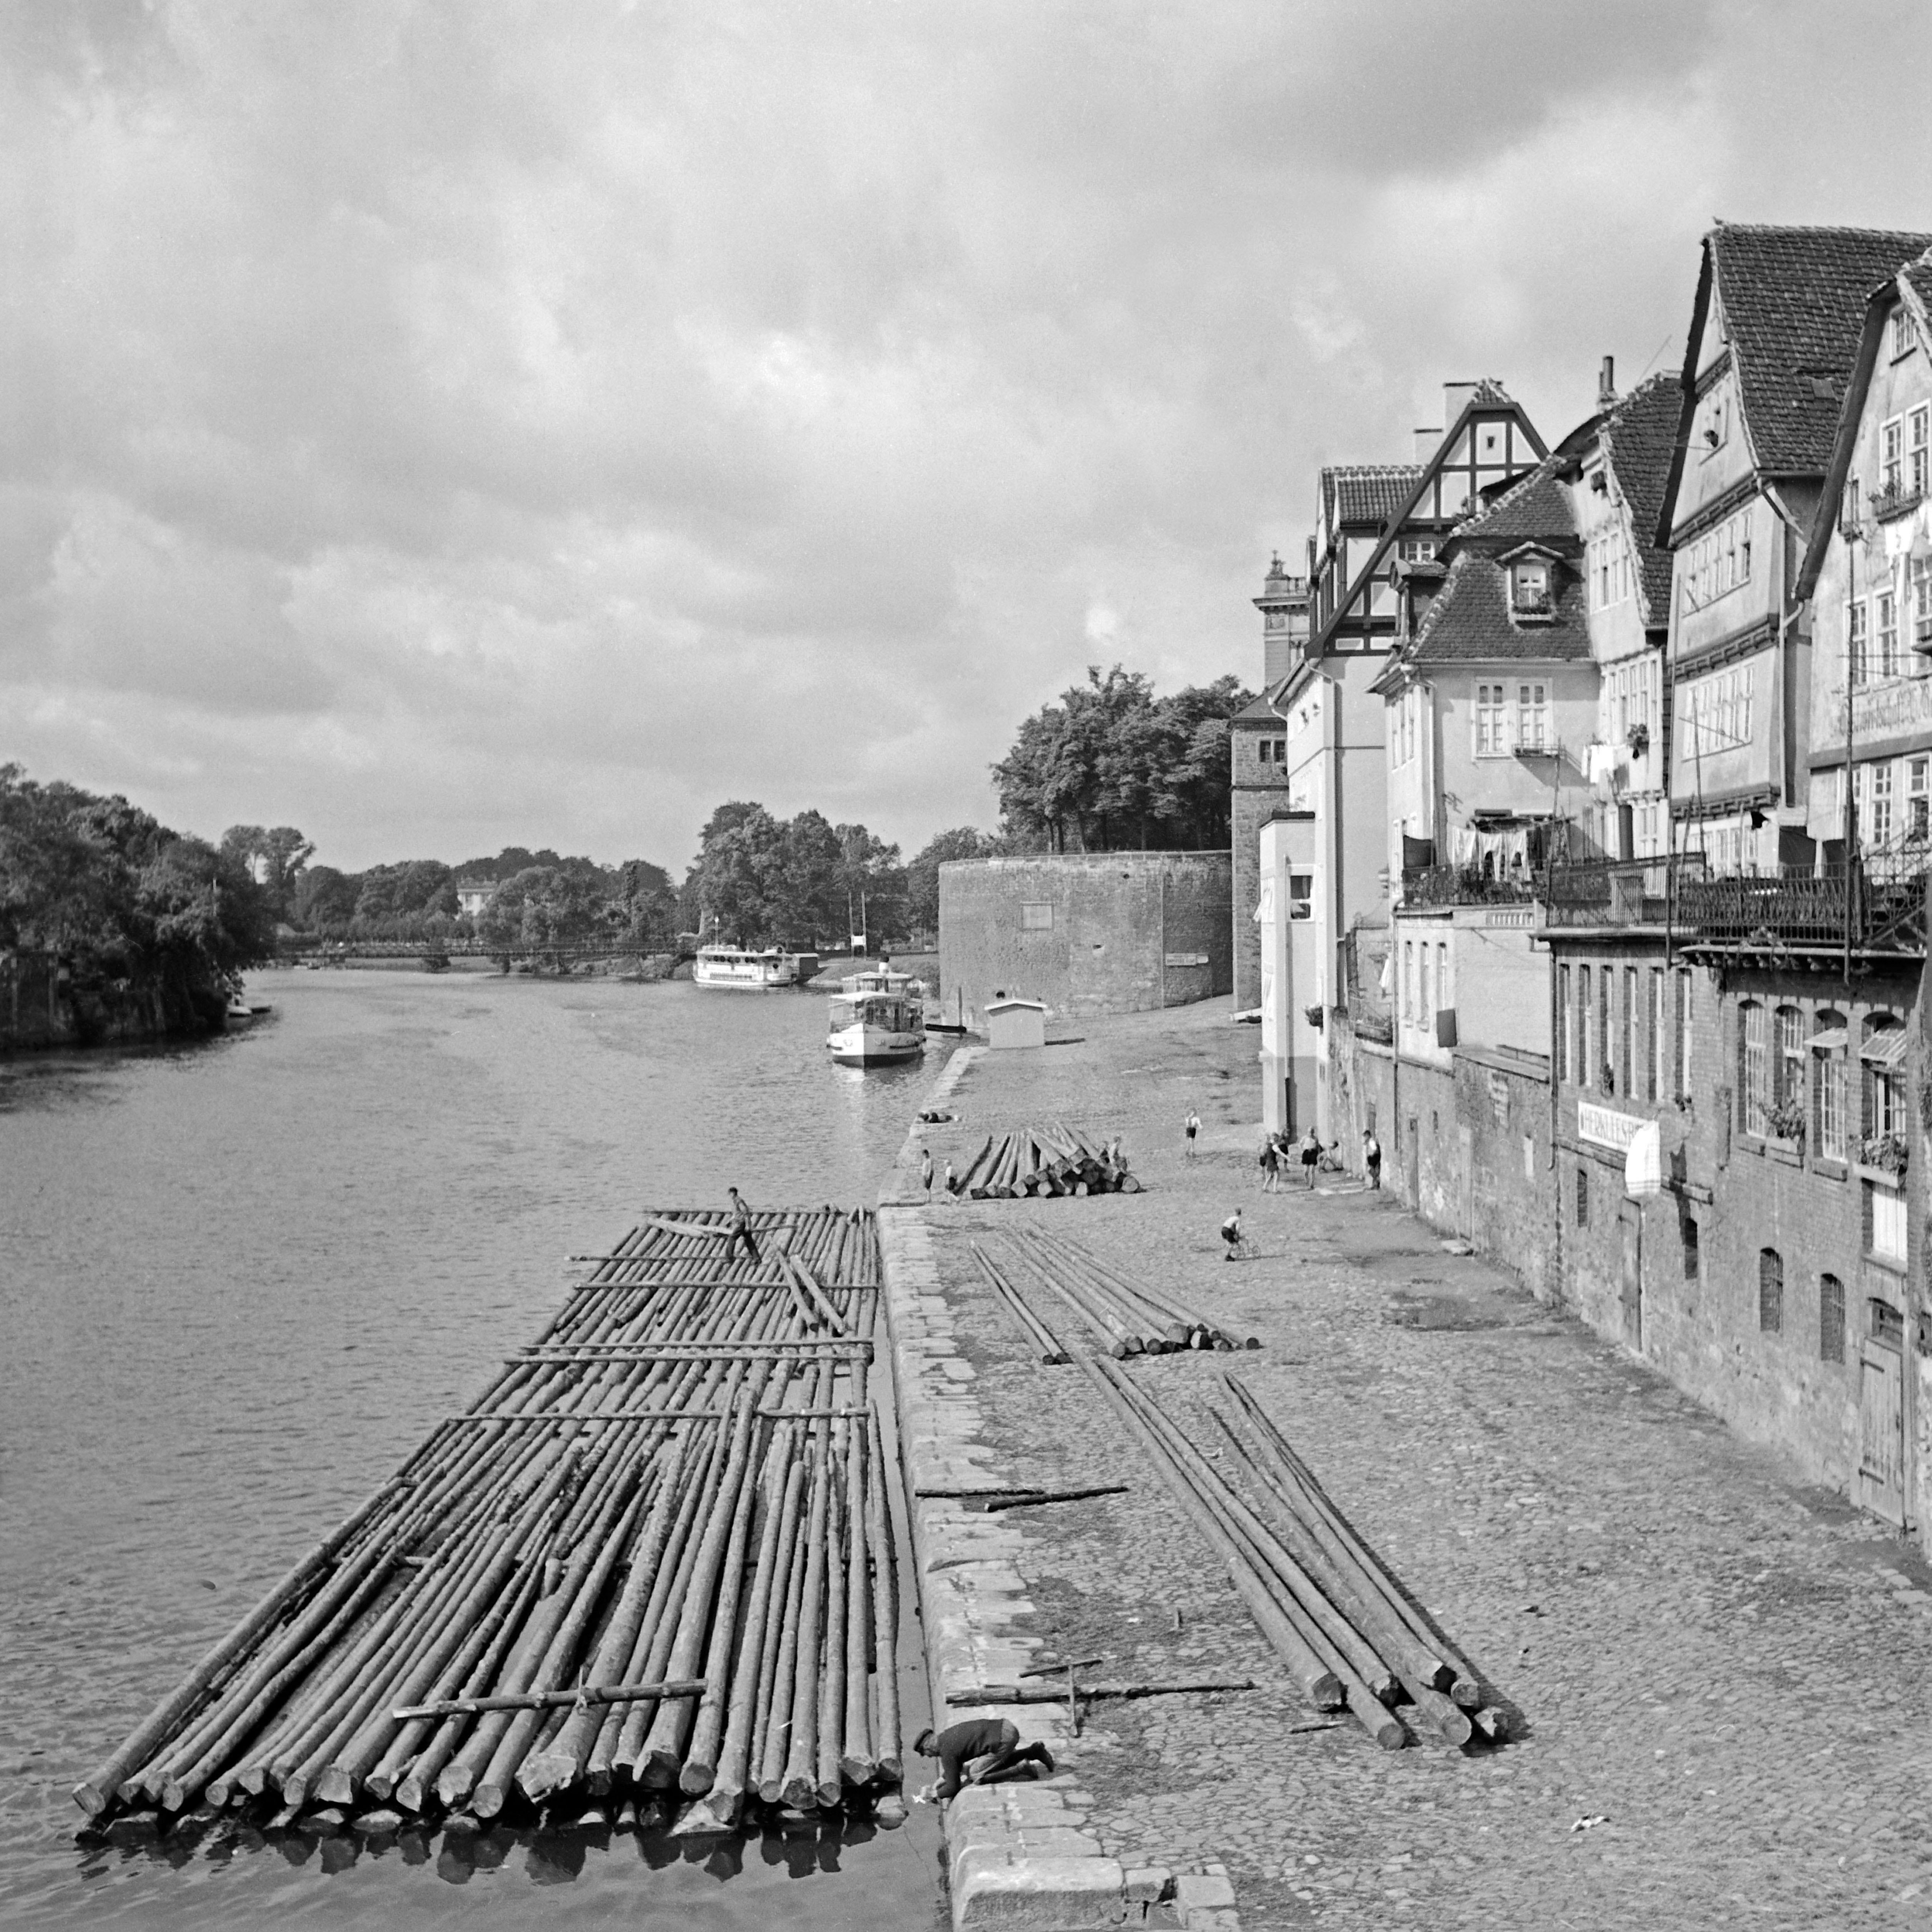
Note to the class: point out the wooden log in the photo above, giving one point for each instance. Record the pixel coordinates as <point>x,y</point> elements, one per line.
<point>1466,1690</point>
<point>1056,1694</point>
<point>856,1764</point>
<point>1028,1500</point>
<point>798,1786</point>
<point>1319,1684</point>
<point>883,1691</point>
<point>584,1694</point>
<point>662,1752</point>
<point>828,1782</point>
<point>778,1719</point>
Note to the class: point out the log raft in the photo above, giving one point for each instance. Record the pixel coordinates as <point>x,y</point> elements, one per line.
<point>668,1573</point>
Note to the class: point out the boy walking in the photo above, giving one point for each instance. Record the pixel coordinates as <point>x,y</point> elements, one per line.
<point>741,1228</point>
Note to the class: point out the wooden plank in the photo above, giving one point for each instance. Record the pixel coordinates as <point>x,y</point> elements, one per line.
<point>1056,1694</point>
<point>1027,1501</point>
<point>650,1414</point>
<point>551,1700</point>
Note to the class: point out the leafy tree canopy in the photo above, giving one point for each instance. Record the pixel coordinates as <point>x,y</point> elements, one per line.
<point>1111,767</point>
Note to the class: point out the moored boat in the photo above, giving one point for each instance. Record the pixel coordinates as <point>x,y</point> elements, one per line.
<point>746,971</point>
<point>878,1017</point>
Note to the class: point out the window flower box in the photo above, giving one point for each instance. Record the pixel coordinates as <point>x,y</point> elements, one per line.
<point>1887,504</point>
<point>1638,738</point>
<point>1887,1153</point>
<point>1786,1120</point>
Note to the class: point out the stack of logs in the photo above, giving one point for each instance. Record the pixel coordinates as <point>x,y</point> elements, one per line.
<point>1327,1605</point>
<point>651,1567</point>
<point>1126,1317</point>
<point>1044,1160</point>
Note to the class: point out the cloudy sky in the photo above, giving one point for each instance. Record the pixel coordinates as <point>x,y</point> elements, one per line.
<point>442,426</point>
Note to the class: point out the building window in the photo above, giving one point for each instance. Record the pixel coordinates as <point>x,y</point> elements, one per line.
<point>1684,1030</point>
<point>1884,1223</point>
<point>1753,1067</point>
<point>1444,1000</point>
<point>1829,1056</point>
<point>1887,1325</point>
<point>1891,456</point>
<point>1626,1065</point>
<point>1583,1197</point>
<point>1920,428</point>
<point>1883,1057</point>
<point>1791,1071</point>
<point>1904,336</point>
<point>1427,1013</point>
<point>1408,982</point>
<point>1529,585</point>
<point>1607,1071</point>
<point>1687,1227</point>
<point>1770,1291</point>
<point>1659,1080</point>
<point>1888,634</point>
<point>1416,550</point>
<point>1532,717</point>
<point>1036,915</point>
<point>1860,645</point>
<point>1566,1057</point>
<point>1491,728</point>
<point>1831,1318</point>
<point>1301,895</point>
<point>1587,1059</point>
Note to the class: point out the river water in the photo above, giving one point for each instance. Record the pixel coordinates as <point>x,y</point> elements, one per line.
<point>239,1281</point>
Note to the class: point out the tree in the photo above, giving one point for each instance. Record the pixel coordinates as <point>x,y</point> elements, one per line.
<point>1110,767</point>
<point>274,858</point>
<point>922,874</point>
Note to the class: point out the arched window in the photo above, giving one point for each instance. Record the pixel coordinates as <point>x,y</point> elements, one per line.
<point>1829,1130</point>
<point>1770,1291</point>
<point>1753,1067</point>
<point>1831,1318</point>
<point>1583,1196</point>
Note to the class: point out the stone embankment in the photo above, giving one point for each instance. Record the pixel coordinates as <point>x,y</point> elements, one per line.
<point>1720,1679</point>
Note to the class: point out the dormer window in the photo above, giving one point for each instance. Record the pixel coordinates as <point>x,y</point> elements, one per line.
<point>1904,336</point>
<point>1529,586</point>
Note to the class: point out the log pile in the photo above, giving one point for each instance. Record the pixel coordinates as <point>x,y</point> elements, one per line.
<point>1044,1160</point>
<point>1123,1316</point>
<point>651,1565</point>
<point>1328,1606</point>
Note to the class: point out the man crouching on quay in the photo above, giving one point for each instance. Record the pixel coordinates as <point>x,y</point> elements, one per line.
<point>983,1750</point>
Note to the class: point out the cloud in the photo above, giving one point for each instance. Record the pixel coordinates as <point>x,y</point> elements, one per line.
<point>440,427</point>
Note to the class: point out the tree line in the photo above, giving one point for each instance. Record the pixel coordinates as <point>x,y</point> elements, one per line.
<point>128,905</point>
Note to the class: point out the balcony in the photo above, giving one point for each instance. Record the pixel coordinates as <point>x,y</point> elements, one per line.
<point>1890,503</point>
<point>1465,885</point>
<point>1618,892</point>
<point>1880,907</point>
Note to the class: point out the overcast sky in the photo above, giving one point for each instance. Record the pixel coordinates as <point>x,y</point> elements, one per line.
<point>439,427</point>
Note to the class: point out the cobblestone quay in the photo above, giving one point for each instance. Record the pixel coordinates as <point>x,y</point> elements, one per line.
<point>1722,1677</point>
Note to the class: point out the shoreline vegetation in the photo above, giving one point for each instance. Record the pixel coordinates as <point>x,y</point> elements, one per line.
<point>114,928</point>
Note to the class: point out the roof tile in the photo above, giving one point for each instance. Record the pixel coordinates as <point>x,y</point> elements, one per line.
<point>1365,492</point>
<point>1638,435</point>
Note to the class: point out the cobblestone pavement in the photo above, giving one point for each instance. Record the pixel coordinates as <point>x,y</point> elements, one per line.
<point>1724,1679</point>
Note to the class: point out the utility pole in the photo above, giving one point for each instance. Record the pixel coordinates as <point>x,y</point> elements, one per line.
<point>1849,529</point>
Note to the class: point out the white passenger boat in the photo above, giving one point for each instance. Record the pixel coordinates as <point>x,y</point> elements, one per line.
<point>878,1017</point>
<point>757,972</point>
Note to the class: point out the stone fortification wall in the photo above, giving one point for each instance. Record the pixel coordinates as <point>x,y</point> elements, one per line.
<point>1103,932</point>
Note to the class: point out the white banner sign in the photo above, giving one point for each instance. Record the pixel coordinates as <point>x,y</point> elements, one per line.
<point>1605,1126</point>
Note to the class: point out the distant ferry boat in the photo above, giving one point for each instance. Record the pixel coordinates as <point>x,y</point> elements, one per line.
<point>878,1017</point>
<point>753,972</point>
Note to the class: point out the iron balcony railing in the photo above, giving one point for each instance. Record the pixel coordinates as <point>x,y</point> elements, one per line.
<point>1879,904</point>
<point>1466,885</point>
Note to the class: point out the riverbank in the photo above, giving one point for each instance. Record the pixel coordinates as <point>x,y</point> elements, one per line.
<point>1650,1612</point>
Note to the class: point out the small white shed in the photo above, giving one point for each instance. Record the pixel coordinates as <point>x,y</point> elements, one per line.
<point>1013,1022</point>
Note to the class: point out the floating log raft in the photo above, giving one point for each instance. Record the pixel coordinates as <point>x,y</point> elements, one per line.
<point>675,1550</point>
<point>1046,1161</point>
<point>1327,1603</point>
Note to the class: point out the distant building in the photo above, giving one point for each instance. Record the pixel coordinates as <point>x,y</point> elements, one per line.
<point>1085,932</point>
<point>473,894</point>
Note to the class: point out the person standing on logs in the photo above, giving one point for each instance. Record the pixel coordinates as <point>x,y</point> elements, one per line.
<point>741,1228</point>
<point>983,1750</point>
<point>1191,1126</point>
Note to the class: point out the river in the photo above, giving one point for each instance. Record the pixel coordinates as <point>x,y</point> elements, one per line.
<point>239,1280</point>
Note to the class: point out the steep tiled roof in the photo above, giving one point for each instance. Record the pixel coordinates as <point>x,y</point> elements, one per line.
<point>1469,620</point>
<point>1367,493</point>
<point>1794,303</point>
<point>1534,505</point>
<point>1637,436</point>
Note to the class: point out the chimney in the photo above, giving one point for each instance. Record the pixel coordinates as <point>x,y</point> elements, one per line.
<point>1606,383</point>
<point>1455,399</point>
<point>1425,442</point>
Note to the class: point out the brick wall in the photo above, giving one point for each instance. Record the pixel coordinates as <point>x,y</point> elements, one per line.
<point>1086,933</point>
<point>1258,790</point>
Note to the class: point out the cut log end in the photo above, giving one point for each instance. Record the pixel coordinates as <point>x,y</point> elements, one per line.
<point>1467,1693</point>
